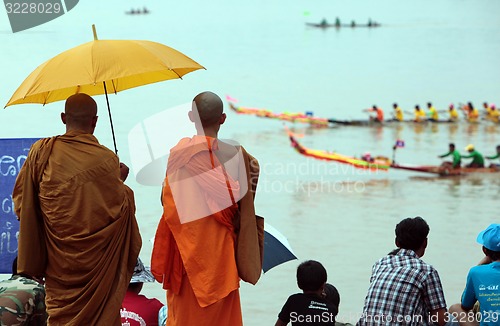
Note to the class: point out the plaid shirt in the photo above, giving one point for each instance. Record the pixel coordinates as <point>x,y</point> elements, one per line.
<point>403,290</point>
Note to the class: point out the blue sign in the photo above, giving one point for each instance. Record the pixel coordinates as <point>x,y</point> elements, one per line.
<point>13,153</point>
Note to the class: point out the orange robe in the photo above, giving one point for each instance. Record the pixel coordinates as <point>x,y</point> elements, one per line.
<point>194,250</point>
<point>77,228</point>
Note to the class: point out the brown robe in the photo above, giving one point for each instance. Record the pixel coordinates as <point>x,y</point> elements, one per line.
<point>77,228</point>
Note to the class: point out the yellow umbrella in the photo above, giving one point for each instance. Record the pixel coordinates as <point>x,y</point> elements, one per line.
<point>100,66</point>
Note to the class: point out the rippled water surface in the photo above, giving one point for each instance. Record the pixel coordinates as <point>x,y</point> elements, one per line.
<point>263,54</point>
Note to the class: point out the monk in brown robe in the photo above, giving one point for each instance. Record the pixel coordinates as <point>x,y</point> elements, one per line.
<point>77,221</point>
<point>208,236</point>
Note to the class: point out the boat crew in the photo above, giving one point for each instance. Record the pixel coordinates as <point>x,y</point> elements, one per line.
<point>493,114</point>
<point>433,114</point>
<point>477,158</point>
<point>452,112</point>
<point>494,157</point>
<point>379,113</point>
<point>486,108</point>
<point>398,113</point>
<point>453,153</point>
<point>367,157</point>
<point>419,114</point>
<point>472,112</point>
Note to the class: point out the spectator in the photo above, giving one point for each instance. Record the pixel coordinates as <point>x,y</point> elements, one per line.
<point>403,288</point>
<point>77,221</point>
<point>483,284</point>
<point>318,303</point>
<point>207,224</point>
<point>22,300</point>
<point>137,309</point>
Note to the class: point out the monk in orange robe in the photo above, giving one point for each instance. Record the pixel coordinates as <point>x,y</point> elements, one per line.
<point>77,221</point>
<point>208,236</point>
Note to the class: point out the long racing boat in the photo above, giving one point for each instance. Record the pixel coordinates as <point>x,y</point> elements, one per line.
<point>376,164</point>
<point>285,116</point>
<point>444,170</point>
<point>384,163</point>
<point>309,118</point>
<point>385,122</point>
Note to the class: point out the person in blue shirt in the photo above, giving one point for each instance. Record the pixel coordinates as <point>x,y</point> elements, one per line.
<point>483,284</point>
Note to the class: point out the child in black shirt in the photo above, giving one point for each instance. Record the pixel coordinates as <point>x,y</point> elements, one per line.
<point>317,304</point>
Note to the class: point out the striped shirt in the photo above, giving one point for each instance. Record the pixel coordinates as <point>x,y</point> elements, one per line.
<point>403,290</point>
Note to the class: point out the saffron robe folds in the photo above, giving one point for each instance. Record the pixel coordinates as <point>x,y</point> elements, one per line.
<point>204,205</point>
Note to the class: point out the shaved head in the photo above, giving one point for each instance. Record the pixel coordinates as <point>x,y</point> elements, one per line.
<point>80,112</point>
<point>209,107</point>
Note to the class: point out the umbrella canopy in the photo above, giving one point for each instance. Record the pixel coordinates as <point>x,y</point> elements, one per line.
<point>102,66</point>
<point>277,250</point>
<point>121,64</point>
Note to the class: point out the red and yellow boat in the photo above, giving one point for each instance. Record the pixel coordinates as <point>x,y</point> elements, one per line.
<point>378,163</point>
<point>383,163</point>
<point>285,116</point>
<point>444,170</point>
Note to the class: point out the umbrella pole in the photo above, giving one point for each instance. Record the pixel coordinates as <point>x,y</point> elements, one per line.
<point>110,120</point>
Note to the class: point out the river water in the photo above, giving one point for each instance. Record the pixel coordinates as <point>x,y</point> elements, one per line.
<point>263,54</point>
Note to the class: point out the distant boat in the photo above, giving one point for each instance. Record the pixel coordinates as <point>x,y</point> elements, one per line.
<point>324,24</point>
<point>143,11</point>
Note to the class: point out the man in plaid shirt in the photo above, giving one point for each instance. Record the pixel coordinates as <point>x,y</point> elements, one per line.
<point>404,290</point>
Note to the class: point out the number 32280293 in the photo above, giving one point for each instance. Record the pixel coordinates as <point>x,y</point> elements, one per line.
<point>33,8</point>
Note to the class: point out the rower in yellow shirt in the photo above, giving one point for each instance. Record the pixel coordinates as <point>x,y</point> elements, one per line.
<point>398,113</point>
<point>494,114</point>
<point>452,113</point>
<point>419,114</point>
<point>433,114</point>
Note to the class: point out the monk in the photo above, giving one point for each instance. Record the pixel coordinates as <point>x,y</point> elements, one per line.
<point>208,236</point>
<point>77,221</point>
